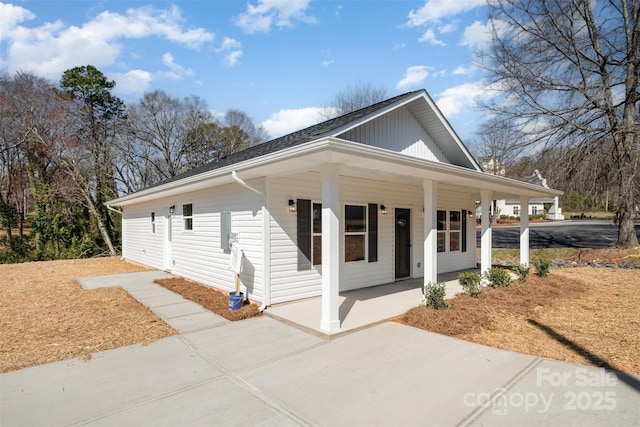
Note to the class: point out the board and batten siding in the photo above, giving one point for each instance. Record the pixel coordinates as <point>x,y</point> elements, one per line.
<point>398,131</point>
<point>288,284</point>
<point>197,253</point>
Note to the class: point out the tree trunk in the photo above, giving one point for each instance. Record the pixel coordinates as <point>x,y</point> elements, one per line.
<point>101,227</point>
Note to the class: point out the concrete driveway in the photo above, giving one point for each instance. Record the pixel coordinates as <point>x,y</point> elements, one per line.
<point>261,371</point>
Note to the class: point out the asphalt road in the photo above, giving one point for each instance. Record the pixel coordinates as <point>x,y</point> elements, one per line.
<point>561,234</point>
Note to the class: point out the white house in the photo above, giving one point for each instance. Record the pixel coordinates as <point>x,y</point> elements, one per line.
<point>375,196</point>
<point>512,207</point>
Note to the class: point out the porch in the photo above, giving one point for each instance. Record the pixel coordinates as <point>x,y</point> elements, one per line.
<point>361,308</point>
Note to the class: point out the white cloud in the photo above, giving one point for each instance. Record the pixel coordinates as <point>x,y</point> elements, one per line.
<point>430,36</point>
<point>281,13</point>
<point>51,48</point>
<point>463,71</point>
<point>434,10</point>
<point>232,58</point>
<point>413,76</point>
<point>476,35</point>
<point>11,15</point>
<point>291,120</point>
<point>232,49</point>
<point>447,28</point>
<point>176,72</point>
<point>134,81</point>
<point>326,63</point>
<point>455,99</point>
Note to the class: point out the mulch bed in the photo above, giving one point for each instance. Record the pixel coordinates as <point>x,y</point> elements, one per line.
<point>581,315</point>
<point>210,298</point>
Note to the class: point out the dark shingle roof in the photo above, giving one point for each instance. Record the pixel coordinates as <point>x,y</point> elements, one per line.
<point>291,140</point>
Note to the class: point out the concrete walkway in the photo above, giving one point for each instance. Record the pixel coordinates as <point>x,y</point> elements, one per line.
<point>261,371</point>
<point>182,314</point>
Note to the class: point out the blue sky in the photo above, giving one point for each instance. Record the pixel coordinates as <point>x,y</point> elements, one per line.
<point>280,61</point>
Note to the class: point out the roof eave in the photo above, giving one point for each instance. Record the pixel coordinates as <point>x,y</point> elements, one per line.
<point>469,176</point>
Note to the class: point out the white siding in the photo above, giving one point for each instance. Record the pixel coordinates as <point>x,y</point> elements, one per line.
<point>398,131</point>
<point>197,253</point>
<point>287,283</point>
<point>139,244</point>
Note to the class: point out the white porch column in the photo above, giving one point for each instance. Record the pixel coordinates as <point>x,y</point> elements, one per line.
<point>524,230</point>
<point>430,231</point>
<point>485,238</point>
<point>330,320</point>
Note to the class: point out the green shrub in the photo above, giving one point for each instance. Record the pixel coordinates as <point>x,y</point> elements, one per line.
<point>18,249</point>
<point>434,295</point>
<point>499,277</point>
<point>470,282</point>
<point>522,271</point>
<point>542,266</point>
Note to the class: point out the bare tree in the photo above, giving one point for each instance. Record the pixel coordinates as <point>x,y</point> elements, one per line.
<point>570,72</point>
<point>354,97</point>
<point>157,139</point>
<point>495,146</point>
<point>240,119</point>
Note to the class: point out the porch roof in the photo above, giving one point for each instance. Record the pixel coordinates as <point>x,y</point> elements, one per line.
<point>357,160</point>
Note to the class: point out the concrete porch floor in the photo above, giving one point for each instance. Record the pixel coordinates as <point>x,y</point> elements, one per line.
<point>361,308</point>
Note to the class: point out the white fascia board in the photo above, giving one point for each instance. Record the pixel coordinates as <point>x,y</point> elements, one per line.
<point>365,119</point>
<point>443,172</point>
<point>451,131</point>
<point>469,177</point>
<point>222,174</point>
<point>434,108</point>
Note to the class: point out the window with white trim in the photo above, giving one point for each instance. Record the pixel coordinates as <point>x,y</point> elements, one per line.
<point>455,225</point>
<point>449,233</point>
<point>534,210</point>
<point>516,210</point>
<point>355,232</point>
<point>187,216</point>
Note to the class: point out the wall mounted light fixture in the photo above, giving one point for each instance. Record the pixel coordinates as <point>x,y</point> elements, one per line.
<point>292,205</point>
<point>470,214</point>
<point>172,209</point>
<point>383,209</point>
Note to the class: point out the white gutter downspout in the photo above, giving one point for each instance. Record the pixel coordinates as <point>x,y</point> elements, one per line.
<point>266,223</point>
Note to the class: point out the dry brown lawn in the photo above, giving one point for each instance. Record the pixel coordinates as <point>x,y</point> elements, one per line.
<point>45,315</point>
<point>583,315</point>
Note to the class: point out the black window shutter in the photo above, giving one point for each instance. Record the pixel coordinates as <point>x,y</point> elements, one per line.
<point>304,234</point>
<point>464,230</point>
<point>373,232</point>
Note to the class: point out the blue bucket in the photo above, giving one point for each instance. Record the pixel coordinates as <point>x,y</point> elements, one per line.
<point>235,301</point>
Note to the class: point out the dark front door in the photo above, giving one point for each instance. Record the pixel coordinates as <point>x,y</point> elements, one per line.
<point>403,243</point>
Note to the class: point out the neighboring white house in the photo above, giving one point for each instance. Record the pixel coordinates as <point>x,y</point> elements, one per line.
<point>380,194</point>
<point>512,207</point>
<point>537,205</point>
